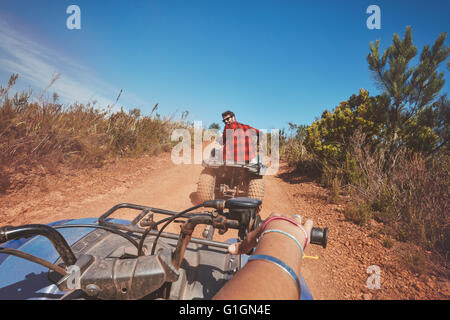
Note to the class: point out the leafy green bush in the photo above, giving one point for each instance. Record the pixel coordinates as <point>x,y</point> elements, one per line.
<point>329,136</point>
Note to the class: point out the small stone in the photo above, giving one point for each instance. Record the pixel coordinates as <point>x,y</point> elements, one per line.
<point>431,284</point>
<point>418,286</point>
<point>367,296</point>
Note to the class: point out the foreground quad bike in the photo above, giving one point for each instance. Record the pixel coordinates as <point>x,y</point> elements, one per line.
<point>224,180</point>
<point>109,258</point>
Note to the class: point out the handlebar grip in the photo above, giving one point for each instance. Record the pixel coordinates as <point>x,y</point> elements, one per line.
<point>319,236</point>
<point>216,204</point>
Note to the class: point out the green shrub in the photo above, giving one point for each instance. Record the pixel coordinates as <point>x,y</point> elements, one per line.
<point>416,262</point>
<point>391,151</point>
<point>358,213</point>
<point>335,190</point>
<point>388,243</point>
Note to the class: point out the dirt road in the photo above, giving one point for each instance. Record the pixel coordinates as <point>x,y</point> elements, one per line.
<point>339,273</point>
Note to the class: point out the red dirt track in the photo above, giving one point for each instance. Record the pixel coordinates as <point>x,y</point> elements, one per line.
<point>340,272</point>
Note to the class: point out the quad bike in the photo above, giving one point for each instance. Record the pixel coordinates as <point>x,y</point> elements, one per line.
<point>119,259</point>
<point>224,180</point>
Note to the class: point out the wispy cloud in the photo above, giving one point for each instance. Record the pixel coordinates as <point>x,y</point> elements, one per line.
<point>38,65</point>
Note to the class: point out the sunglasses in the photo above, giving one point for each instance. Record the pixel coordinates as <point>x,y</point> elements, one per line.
<point>226,119</point>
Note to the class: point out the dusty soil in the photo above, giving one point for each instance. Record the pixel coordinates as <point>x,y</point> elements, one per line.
<point>339,273</point>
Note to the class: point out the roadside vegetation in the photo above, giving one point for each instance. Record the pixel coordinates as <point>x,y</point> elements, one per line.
<point>387,154</point>
<point>39,136</point>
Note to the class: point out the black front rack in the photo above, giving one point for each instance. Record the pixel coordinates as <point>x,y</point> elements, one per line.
<point>146,214</point>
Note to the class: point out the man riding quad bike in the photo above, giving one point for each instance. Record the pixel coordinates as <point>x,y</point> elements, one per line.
<point>236,170</point>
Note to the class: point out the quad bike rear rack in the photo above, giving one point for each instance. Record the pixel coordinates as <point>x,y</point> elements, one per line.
<point>256,168</point>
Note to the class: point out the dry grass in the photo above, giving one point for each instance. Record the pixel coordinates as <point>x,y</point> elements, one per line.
<point>41,135</point>
<point>412,197</point>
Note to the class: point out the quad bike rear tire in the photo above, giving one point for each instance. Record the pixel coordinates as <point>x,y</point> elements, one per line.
<point>256,189</point>
<point>206,186</point>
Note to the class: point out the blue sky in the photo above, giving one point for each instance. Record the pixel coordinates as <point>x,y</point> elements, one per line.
<point>271,62</point>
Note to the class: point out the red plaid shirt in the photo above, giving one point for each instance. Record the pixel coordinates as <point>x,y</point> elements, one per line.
<point>244,149</point>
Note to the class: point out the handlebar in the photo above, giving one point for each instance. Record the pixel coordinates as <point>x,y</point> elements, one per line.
<point>29,230</point>
<point>241,215</point>
<point>319,236</point>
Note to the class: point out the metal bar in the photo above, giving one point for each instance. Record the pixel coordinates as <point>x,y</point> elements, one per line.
<point>113,230</point>
<point>166,235</point>
<point>29,230</point>
<point>209,243</point>
<point>140,216</point>
<point>34,259</point>
<point>185,237</point>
